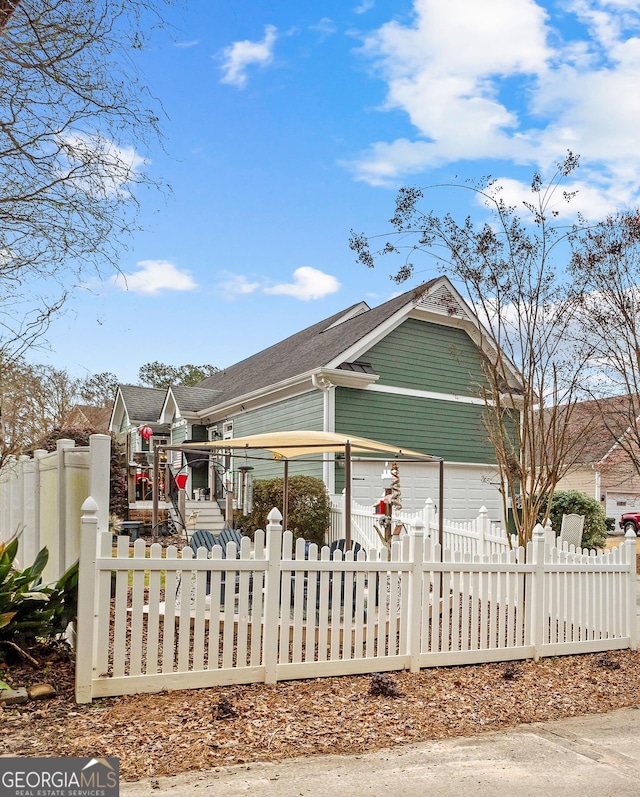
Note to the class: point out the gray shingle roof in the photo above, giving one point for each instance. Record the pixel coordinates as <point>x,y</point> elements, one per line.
<point>192,399</point>
<point>313,347</point>
<point>143,404</point>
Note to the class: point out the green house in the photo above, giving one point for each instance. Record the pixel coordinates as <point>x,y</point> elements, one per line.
<point>407,372</point>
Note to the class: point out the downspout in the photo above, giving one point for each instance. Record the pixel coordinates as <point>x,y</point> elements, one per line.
<point>598,482</point>
<point>328,425</point>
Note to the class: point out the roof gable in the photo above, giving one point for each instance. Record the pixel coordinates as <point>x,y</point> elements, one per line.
<point>599,425</point>
<point>336,340</point>
<point>142,404</point>
<point>181,400</point>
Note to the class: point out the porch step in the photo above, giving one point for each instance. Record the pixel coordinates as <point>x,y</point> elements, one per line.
<point>202,515</point>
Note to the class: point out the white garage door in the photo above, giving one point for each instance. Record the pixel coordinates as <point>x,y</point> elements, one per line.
<point>466,487</point>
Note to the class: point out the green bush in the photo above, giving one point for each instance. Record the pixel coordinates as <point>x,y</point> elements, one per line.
<point>309,510</point>
<point>567,502</point>
<point>30,609</point>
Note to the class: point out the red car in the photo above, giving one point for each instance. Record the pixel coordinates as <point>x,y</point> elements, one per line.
<point>630,520</point>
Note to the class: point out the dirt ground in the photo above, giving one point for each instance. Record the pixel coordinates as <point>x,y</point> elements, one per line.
<point>171,732</point>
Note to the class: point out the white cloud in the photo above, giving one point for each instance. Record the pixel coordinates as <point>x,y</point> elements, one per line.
<point>363,7</point>
<point>192,43</point>
<point>325,27</point>
<point>239,56</point>
<point>308,283</point>
<point>233,285</point>
<point>154,276</point>
<point>447,69</point>
<point>103,168</point>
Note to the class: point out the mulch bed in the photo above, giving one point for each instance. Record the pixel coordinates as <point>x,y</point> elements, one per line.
<point>172,732</point>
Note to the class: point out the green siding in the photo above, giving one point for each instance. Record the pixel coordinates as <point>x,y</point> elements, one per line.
<point>427,356</point>
<point>448,429</point>
<point>178,435</point>
<point>300,412</point>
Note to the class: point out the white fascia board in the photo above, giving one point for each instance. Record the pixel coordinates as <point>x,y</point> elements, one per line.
<point>169,408</point>
<point>360,308</point>
<point>617,444</point>
<point>368,341</point>
<point>118,412</point>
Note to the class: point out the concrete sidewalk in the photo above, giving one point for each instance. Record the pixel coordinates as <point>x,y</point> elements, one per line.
<point>592,756</point>
<point>597,755</point>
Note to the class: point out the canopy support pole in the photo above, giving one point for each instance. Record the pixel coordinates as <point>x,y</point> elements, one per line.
<point>154,494</point>
<point>285,495</point>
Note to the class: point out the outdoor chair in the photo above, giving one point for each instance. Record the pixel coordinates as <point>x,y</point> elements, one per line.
<point>207,539</point>
<point>333,547</point>
<point>229,535</point>
<point>571,530</point>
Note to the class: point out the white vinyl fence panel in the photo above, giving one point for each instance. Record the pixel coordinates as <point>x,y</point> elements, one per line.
<point>41,500</point>
<point>152,620</point>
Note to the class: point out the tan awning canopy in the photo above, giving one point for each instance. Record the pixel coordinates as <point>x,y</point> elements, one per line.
<point>291,444</point>
<point>288,445</point>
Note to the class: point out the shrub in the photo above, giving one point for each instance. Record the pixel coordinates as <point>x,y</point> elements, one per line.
<point>30,609</point>
<point>566,502</point>
<point>308,507</point>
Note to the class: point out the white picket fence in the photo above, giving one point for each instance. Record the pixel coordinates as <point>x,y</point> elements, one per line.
<point>41,499</point>
<point>477,536</point>
<point>148,621</point>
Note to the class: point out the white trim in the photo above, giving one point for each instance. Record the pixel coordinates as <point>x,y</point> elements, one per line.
<point>426,394</point>
<point>288,388</point>
<point>360,308</point>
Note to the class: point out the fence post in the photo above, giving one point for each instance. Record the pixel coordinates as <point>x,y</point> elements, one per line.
<point>38,454</point>
<point>24,547</point>
<point>99,476</point>
<point>482,527</point>
<point>61,520</point>
<point>630,545</point>
<point>429,515</point>
<point>416,576</point>
<point>272,596</point>
<point>549,534</point>
<point>535,591</point>
<point>85,626</point>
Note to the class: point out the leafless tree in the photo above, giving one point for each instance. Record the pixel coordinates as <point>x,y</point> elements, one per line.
<point>511,271</point>
<point>606,260</point>
<point>34,400</point>
<point>75,124</point>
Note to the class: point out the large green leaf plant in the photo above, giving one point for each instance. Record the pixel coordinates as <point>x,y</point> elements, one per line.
<point>29,608</point>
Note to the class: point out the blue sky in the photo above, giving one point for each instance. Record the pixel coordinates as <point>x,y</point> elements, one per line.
<point>291,123</point>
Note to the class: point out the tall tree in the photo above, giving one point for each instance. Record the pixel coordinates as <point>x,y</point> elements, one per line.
<point>100,389</point>
<point>161,375</point>
<point>606,260</point>
<point>510,267</point>
<point>76,120</point>
<point>34,399</point>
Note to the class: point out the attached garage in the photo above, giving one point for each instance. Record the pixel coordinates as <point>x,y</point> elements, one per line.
<point>467,487</point>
